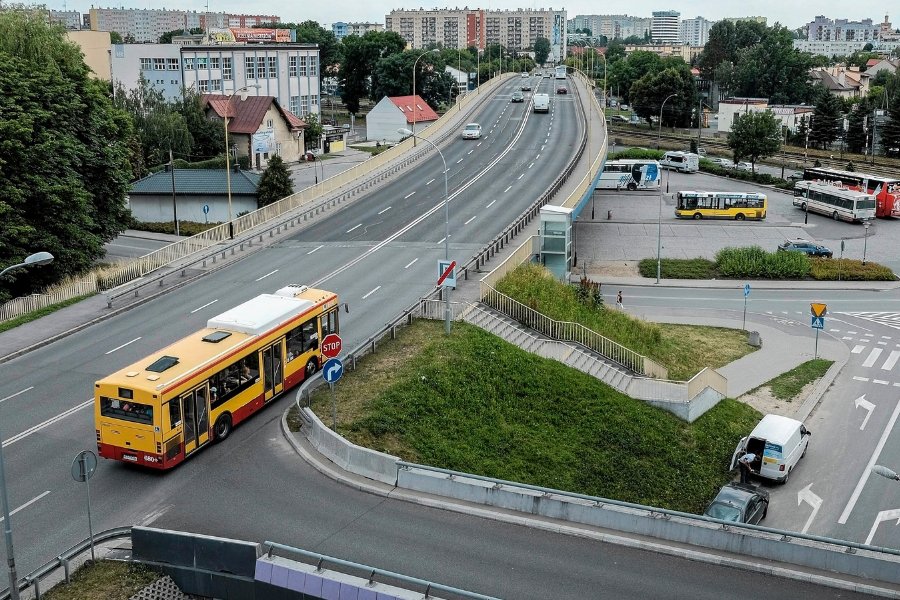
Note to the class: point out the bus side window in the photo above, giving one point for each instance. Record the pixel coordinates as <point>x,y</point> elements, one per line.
<point>174,413</point>
<point>330,322</point>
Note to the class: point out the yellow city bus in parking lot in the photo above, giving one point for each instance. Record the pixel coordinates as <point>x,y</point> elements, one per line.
<point>163,408</point>
<point>720,205</point>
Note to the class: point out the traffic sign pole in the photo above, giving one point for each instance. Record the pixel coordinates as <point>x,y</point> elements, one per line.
<point>333,409</point>
<point>816,350</point>
<point>746,294</point>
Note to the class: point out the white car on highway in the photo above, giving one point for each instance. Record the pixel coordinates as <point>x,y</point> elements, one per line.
<point>471,131</point>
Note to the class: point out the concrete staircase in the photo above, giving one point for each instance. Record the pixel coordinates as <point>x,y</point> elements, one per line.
<point>568,353</point>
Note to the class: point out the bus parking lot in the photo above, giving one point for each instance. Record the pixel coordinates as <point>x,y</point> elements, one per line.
<point>619,227</point>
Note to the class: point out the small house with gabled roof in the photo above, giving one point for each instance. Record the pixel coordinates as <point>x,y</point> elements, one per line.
<point>398,112</point>
<point>258,127</point>
<point>151,198</point>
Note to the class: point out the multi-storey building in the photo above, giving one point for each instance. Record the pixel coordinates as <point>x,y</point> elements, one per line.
<point>754,19</point>
<point>823,29</point>
<point>147,25</point>
<point>833,48</point>
<point>453,28</point>
<point>666,27</point>
<point>342,30</point>
<point>70,19</point>
<point>695,32</point>
<point>612,26</point>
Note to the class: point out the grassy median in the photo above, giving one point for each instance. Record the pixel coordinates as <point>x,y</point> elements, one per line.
<point>472,402</point>
<point>106,579</point>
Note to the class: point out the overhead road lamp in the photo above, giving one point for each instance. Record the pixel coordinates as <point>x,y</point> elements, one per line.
<point>243,92</point>
<point>408,132</point>
<point>659,131</point>
<point>37,259</point>
<point>415,64</point>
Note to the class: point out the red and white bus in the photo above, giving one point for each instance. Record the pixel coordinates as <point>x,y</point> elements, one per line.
<point>885,189</point>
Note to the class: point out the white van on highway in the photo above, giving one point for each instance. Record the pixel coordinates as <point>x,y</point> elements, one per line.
<point>541,102</point>
<point>685,162</point>
<point>778,443</point>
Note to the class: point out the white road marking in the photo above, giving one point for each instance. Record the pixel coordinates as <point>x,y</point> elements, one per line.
<point>441,241</point>
<point>122,346</point>
<point>538,156</point>
<point>869,334</point>
<point>507,189</point>
<point>872,460</point>
<point>520,176</point>
<point>491,204</point>
<point>372,292</point>
<point>873,356</point>
<point>354,227</point>
<point>857,378</point>
<point>429,182</point>
<point>891,361</point>
<point>542,148</point>
<point>470,151</point>
<point>852,332</point>
<point>531,165</point>
<point>381,212</point>
<point>470,220</point>
<point>411,194</point>
<point>880,343</point>
<point>410,263</point>
<point>834,330</point>
<point>29,388</point>
<point>199,308</point>
<point>26,505</point>
<point>885,337</point>
<point>478,144</point>
<point>314,249</point>
<point>267,274</point>
<point>857,349</point>
<point>50,421</point>
<point>880,382</point>
<point>459,161</point>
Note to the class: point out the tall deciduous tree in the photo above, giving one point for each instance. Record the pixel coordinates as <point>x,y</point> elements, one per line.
<point>650,91</point>
<point>755,135</point>
<point>541,50</point>
<point>360,56</point>
<point>826,120</point>
<point>64,167</point>
<point>890,133</point>
<point>856,128</point>
<point>275,183</point>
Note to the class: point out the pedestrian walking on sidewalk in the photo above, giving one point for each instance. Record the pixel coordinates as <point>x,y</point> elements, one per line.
<point>619,304</point>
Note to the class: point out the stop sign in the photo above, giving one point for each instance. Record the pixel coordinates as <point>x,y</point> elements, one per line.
<point>331,345</point>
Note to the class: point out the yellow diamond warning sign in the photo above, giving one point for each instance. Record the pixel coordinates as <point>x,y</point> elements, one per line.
<point>818,309</point>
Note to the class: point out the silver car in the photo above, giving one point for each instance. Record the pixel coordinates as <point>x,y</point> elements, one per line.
<point>471,131</point>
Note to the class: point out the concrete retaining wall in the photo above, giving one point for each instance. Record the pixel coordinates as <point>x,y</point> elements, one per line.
<point>350,457</point>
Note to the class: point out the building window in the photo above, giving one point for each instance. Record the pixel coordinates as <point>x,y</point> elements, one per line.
<point>304,105</point>
<point>302,71</point>
<point>215,85</point>
<point>203,85</point>
<point>292,66</point>
<point>270,124</point>
<point>273,67</point>
<point>261,67</point>
<point>201,62</point>
<point>214,63</point>
<point>226,68</point>
<point>314,99</point>
<point>172,63</point>
<point>294,104</point>
<point>314,66</point>
<point>159,64</point>
<point>250,65</point>
<point>189,64</point>
<point>146,64</point>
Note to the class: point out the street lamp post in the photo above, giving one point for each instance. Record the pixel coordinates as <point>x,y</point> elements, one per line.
<point>659,230</point>
<point>39,258</point>
<point>404,131</point>
<point>866,225</point>
<point>603,56</point>
<point>659,133</point>
<point>415,64</point>
<point>228,152</point>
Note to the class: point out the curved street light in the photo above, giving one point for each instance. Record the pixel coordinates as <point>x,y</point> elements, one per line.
<point>415,64</point>
<point>407,132</point>
<point>659,216</point>
<point>36,259</point>
<point>659,133</point>
<point>244,89</point>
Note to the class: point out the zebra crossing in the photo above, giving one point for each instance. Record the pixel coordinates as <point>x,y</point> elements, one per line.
<point>888,319</point>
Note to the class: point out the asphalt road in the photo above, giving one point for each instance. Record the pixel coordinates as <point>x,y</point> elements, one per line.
<point>254,487</point>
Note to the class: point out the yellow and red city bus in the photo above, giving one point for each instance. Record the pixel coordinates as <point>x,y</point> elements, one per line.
<point>160,410</point>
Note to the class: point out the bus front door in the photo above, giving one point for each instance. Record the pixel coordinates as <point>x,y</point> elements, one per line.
<point>195,408</point>
<point>273,369</point>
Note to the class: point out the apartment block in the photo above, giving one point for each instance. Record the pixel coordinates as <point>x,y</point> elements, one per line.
<point>823,29</point>
<point>666,27</point>
<point>612,26</point>
<point>147,25</point>
<point>844,48</point>
<point>342,30</point>
<point>454,28</point>
<point>695,32</point>
<point>70,19</point>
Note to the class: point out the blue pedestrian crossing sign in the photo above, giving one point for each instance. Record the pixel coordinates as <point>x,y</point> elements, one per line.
<point>332,370</point>
<point>818,322</point>
<point>746,290</point>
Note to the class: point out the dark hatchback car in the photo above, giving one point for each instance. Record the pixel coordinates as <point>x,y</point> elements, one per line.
<point>518,97</point>
<point>739,503</point>
<point>806,247</point>
<point>562,90</point>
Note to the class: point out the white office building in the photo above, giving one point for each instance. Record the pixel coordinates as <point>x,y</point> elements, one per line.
<point>666,27</point>
<point>823,29</point>
<point>695,32</point>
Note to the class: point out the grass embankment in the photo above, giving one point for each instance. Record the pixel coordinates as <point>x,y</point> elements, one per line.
<point>373,150</point>
<point>33,316</point>
<point>106,579</point>
<point>474,403</point>
<point>684,349</point>
<point>787,385</point>
<point>755,263</point>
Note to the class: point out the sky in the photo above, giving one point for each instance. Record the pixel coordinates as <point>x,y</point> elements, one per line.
<point>791,14</point>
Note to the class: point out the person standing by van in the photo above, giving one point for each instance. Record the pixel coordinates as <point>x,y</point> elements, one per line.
<point>745,464</point>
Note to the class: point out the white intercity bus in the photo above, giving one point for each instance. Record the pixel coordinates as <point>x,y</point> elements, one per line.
<point>561,72</point>
<point>629,174</point>
<point>835,201</point>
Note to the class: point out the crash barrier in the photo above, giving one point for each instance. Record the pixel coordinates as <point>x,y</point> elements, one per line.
<point>235,234</point>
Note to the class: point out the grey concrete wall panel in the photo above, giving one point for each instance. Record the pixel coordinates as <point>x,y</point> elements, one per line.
<point>356,459</point>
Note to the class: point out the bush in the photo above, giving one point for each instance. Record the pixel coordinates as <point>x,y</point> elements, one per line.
<point>186,228</point>
<point>675,268</point>
<point>832,269</point>
<point>212,163</point>
<point>756,263</point>
<point>637,153</point>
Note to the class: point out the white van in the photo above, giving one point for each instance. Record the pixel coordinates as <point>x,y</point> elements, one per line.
<point>778,443</point>
<point>685,162</point>
<point>541,102</point>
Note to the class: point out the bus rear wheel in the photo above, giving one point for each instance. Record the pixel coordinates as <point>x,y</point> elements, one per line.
<point>632,186</point>
<point>739,217</point>
<point>835,216</point>
<point>223,427</point>
<point>697,216</point>
<point>311,367</point>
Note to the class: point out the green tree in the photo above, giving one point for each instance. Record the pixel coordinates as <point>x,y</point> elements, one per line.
<point>772,68</point>
<point>755,135</point>
<point>275,183</point>
<point>115,38</point>
<point>615,51</point>
<point>541,50</point>
<point>166,38</point>
<point>207,135</point>
<point>64,168</point>
<point>312,134</point>
<point>890,133</point>
<point>856,128</point>
<point>623,73</point>
<point>827,118</point>
<point>159,126</point>
<point>393,77</point>
<point>360,56</point>
<point>802,133</point>
<point>650,91</point>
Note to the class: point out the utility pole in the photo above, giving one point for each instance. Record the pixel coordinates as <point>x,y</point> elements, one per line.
<point>174,201</point>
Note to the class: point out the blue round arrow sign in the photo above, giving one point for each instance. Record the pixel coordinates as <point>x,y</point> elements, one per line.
<point>332,370</point>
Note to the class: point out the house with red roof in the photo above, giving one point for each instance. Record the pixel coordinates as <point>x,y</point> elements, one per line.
<point>398,112</point>
<point>258,127</point>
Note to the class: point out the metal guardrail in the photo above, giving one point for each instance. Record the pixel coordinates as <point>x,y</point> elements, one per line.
<point>34,578</point>
<point>370,572</point>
